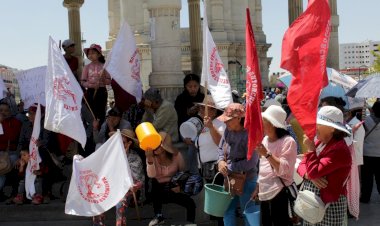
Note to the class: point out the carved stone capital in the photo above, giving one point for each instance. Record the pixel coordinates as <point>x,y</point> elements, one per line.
<point>73,3</point>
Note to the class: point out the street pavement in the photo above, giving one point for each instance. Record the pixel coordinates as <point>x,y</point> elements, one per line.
<point>369,213</point>
<point>53,214</point>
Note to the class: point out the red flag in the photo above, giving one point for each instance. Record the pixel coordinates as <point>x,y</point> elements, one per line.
<point>253,122</point>
<point>304,53</point>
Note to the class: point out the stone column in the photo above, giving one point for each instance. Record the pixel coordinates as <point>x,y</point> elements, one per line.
<point>75,33</point>
<point>166,74</point>
<point>333,56</point>
<point>128,12</point>
<point>114,18</point>
<point>256,19</point>
<point>261,45</point>
<point>295,9</point>
<point>217,20</point>
<point>140,34</point>
<point>238,19</point>
<point>195,36</point>
<point>228,20</point>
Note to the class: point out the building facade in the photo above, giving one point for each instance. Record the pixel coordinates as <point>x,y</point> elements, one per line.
<point>357,58</point>
<point>10,81</point>
<point>166,50</point>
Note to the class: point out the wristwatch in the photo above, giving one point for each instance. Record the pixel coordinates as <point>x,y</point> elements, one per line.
<point>268,155</point>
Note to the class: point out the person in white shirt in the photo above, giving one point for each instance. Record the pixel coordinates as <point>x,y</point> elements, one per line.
<point>358,132</point>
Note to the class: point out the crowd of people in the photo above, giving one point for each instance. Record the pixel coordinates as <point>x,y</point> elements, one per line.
<point>163,175</point>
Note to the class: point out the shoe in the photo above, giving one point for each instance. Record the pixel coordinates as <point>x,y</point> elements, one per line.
<point>37,199</point>
<point>157,220</point>
<point>46,200</point>
<point>9,201</point>
<point>19,199</point>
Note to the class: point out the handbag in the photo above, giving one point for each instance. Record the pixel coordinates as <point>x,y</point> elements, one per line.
<point>5,163</point>
<point>209,169</point>
<point>292,194</point>
<point>236,179</point>
<point>310,207</point>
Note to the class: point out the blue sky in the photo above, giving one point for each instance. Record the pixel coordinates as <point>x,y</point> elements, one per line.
<point>26,25</point>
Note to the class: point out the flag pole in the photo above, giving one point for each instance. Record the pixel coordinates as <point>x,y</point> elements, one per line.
<point>89,108</point>
<point>205,91</point>
<point>136,206</point>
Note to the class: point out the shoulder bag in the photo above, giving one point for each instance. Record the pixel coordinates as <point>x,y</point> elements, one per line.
<point>310,207</point>
<point>236,179</point>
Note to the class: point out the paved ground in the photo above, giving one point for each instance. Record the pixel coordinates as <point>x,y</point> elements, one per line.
<point>369,213</point>
<point>53,214</point>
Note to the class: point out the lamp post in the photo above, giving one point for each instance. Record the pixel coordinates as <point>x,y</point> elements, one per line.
<point>360,67</point>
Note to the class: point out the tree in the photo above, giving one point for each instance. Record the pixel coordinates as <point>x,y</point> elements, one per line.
<point>376,62</point>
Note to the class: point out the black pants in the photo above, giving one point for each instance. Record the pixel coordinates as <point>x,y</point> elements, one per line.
<point>162,195</point>
<point>274,212</point>
<point>97,99</point>
<point>369,170</point>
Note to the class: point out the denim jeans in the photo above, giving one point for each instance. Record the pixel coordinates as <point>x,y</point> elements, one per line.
<point>230,215</point>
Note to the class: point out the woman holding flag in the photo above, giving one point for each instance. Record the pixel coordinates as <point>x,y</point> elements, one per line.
<point>135,163</point>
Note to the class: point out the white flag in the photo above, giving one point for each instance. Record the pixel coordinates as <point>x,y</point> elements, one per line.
<point>32,86</point>
<point>99,181</point>
<point>34,156</point>
<point>3,89</point>
<point>213,71</point>
<point>63,97</point>
<point>123,62</point>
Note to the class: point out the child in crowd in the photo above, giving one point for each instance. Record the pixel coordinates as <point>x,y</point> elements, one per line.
<point>23,163</point>
<point>95,79</point>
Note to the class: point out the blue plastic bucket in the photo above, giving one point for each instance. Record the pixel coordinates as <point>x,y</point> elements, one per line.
<point>217,200</point>
<point>252,213</point>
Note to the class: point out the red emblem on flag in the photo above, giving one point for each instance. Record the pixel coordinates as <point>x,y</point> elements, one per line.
<point>91,188</point>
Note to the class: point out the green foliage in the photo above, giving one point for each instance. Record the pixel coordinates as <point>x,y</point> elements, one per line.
<point>376,63</point>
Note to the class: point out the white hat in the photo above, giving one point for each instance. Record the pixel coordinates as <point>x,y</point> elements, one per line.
<point>271,102</point>
<point>276,116</point>
<point>67,43</point>
<point>333,117</point>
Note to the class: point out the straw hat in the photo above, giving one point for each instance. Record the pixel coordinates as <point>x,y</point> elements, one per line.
<point>127,133</point>
<point>276,116</point>
<point>233,110</point>
<point>333,117</point>
<point>209,102</point>
<point>166,143</point>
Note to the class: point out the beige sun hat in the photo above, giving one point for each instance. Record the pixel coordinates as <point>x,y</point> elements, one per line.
<point>209,102</point>
<point>276,116</point>
<point>166,143</point>
<point>127,133</point>
<point>333,117</point>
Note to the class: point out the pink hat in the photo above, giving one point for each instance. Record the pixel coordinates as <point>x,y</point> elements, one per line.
<point>96,47</point>
<point>232,111</point>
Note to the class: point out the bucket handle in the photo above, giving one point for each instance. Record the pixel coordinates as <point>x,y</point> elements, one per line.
<point>228,180</point>
<point>250,200</point>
